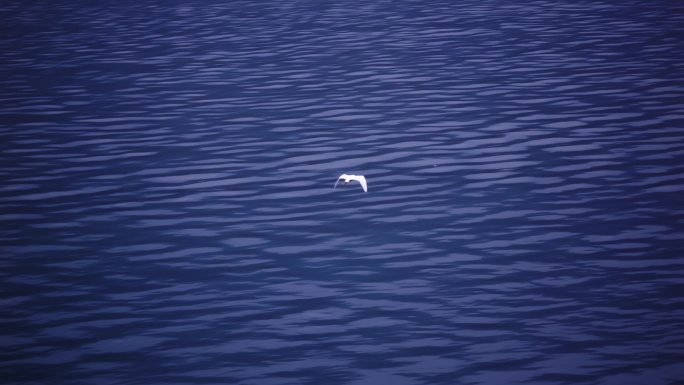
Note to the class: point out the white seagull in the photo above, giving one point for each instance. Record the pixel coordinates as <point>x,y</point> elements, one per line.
<point>347,178</point>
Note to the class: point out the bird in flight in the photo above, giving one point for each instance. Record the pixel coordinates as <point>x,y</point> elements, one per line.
<point>347,178</point>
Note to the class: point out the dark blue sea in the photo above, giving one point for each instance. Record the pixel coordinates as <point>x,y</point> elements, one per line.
<point>167,212</point>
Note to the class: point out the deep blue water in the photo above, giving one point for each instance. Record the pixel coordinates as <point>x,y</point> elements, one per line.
<point>167,213</point>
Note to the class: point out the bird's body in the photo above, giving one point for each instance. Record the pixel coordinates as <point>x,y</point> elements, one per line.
<point>348,178</point>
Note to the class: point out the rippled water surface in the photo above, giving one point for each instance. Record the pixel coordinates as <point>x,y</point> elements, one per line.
<point>168,214</point>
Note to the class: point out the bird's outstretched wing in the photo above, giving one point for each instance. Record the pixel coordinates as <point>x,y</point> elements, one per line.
<point>362,180</point>
<point>338,180</point>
